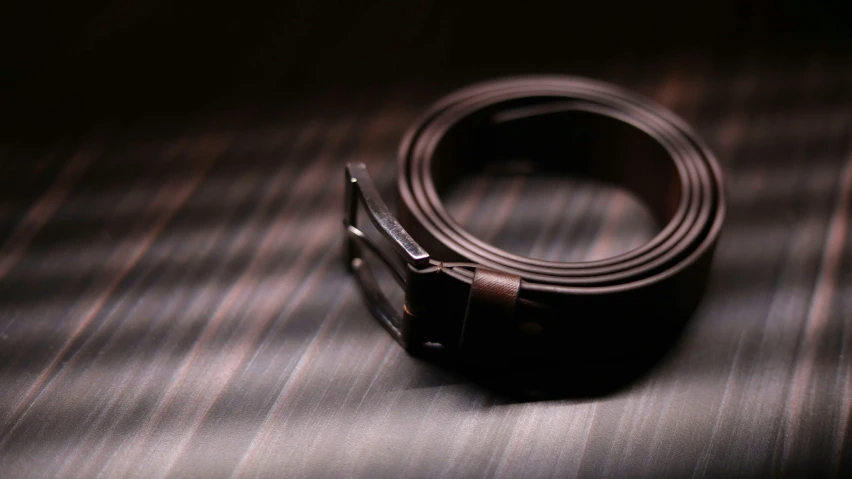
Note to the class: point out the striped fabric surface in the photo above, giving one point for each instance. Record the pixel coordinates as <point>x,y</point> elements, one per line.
<point>173,301</point>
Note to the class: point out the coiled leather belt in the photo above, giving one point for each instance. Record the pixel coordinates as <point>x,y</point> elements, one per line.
<point>470,300</point>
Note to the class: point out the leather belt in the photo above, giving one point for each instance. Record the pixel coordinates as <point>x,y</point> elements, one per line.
<point>467,299</point>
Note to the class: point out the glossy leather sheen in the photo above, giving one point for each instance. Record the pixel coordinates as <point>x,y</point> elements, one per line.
<point>484,304</point>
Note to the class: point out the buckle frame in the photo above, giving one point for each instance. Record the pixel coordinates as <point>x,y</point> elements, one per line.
<point>360,190</point>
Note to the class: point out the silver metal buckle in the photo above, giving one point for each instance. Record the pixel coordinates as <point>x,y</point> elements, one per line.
<point>360,189</point>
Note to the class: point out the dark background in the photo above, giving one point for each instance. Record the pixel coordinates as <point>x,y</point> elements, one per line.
<point>91,59</point>
<point>172,300</point>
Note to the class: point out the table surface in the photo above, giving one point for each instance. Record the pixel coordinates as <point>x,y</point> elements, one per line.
<point>173,300</point>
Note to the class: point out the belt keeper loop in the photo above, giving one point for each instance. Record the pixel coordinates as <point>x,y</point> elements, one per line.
<point>491,305</point>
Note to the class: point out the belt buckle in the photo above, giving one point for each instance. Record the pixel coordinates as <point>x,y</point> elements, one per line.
<point>361,191</point>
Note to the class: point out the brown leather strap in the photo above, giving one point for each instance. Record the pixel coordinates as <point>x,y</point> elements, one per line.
<point>461,290</point>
